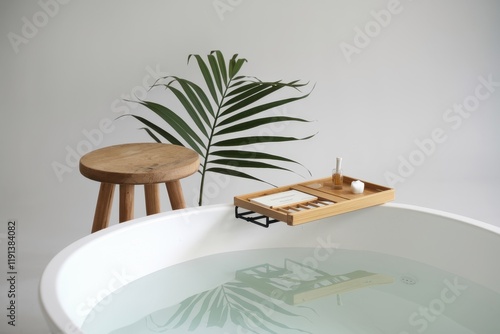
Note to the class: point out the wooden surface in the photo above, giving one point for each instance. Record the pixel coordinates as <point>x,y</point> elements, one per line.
<point>140,163</point>
<point>132,164</point>
<point>330,201</point>
<point>126,202</point>
<point>103,207</point>
<point>152,196</point>
<point>175,194</point>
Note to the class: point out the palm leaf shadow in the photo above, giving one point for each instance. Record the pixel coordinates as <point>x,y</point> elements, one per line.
<point>232,302</point>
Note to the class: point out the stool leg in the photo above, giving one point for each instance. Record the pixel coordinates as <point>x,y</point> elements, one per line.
<point>152,195</point>
<point>175,194</point>
<point>126,202</point>
<point>103,207</point>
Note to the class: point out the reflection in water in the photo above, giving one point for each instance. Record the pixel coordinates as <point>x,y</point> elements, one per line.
<point>244,302</point>
<point>274,291</point>
<point>297,283</point>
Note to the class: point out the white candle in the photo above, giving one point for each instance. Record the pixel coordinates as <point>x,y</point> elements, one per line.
<point>357,187</point>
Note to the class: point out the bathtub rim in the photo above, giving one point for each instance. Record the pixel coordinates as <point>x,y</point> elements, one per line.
<point>60,321</point>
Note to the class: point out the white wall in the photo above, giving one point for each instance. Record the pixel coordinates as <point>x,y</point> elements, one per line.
<point>66,67</point>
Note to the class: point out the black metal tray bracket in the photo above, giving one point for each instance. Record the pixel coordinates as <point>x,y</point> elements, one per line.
<point>255,218</point>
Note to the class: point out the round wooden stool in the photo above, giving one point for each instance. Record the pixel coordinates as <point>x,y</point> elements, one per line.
<point>141,163</point>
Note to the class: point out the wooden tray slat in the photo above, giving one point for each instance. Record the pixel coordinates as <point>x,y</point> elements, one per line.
<point>319,193</point>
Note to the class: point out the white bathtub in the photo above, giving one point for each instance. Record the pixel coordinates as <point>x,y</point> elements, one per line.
<point>102,262</point>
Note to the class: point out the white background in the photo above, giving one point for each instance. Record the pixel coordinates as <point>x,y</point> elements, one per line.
<point>67,66</point>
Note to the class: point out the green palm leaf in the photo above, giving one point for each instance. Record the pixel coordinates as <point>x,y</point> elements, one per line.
<point>258,109</point>
<point>206,75</point>
<point>197,97</point>
<point>165,134</point>
<point>185,101</point>
<point>251,99</point>
<point>177,123</point>
<point>246,164</point>
<point>225,107</point>
<point>232,172</point>
<point>239,154</point>
<point>245,92</point>
<point>222,65</point>
<point>249,155</point>
<point>151,134</point>
<point>235,65</point>
<point>257,122</point>
<point>243,87</point>
<point>216,72</point>
<point>254,139</point>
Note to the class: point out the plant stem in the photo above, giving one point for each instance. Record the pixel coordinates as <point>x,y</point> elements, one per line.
<point>209,144</point>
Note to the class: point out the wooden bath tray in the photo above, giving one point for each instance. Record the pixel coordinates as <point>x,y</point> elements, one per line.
<point>324,201</point>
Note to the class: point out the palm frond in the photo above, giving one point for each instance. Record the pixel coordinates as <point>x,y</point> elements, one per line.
<point>227,106</point>
<point>222,65</point>
<point>257,122</point>
<point>197,97</point>
<point>258,109</point>
<point>165,134</point>
<point>186,103</point>
<point>233,172</point>
<point>207,76</point>
<point>236,163</point>
<point>256,139</point>
<point>178,124</point>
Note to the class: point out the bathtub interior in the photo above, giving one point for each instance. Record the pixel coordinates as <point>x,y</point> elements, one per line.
<point>95,266</point>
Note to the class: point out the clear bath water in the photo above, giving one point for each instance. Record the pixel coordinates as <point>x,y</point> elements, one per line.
<point>298,290</point>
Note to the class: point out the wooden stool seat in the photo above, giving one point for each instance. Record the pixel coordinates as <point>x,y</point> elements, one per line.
<point>145,164</point>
